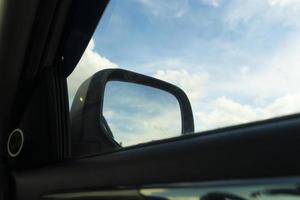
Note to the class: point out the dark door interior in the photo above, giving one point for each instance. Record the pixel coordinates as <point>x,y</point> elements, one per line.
<point>258,151</point>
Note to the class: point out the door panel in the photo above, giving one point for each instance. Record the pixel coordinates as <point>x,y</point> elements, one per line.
<point>257,150</point>
<point>264,189</point>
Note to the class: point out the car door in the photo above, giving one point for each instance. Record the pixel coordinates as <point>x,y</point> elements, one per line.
<point>255,160</point>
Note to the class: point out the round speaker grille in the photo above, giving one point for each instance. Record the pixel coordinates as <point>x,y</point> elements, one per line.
<point>15,142</point>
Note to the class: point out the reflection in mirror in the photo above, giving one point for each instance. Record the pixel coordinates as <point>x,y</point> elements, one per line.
<point>138,113</point>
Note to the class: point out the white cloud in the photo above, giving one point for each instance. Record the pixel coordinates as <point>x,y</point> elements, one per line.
<point>192,84</point>
<point>273,90</point>
<point>90,63</point>
<point>244,70</point>
<point>269,89</point>
<point>214,3</point>
<point>223,111</point>
<point>284,105</point>
<point>284,2</point>
<point>243,11</point>
<point>226,112</point>
<point>166,9</point>
<point>167,63</point>
<point>277,76</point>
<point>258,14</point>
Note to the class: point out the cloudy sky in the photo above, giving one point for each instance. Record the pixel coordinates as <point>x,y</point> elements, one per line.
<point>237,60</point>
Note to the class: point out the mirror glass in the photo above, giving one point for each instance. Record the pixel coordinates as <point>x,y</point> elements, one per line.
<point>137,113</point>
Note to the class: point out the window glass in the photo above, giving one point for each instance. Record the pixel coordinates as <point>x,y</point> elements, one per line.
<point>237,61</point>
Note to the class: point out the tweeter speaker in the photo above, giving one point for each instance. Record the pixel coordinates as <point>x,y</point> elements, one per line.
<point>15,143</point>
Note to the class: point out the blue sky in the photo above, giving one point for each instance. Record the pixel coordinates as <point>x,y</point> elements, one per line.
<point>194,32</point>
<point>237,60</point>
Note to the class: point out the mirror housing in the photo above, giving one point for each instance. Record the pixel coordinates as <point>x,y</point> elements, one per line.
<point>90,131</point>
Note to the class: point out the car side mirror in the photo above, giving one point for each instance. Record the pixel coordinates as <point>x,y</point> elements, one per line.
<point>116,107</point>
